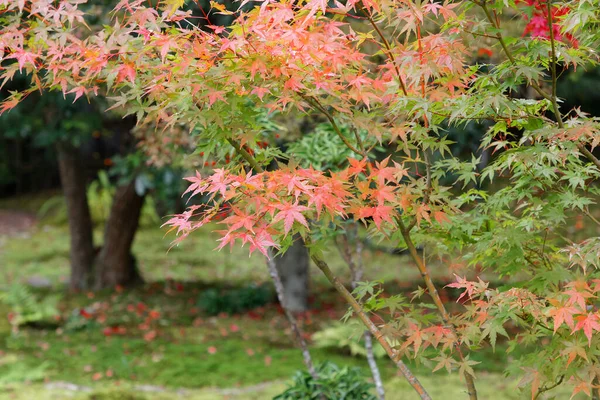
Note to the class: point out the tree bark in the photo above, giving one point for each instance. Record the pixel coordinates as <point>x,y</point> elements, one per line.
<point>293,269</point>
<point>73,180</point>
<point>115,265</point>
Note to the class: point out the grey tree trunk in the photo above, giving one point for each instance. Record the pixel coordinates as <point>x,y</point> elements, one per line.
<point>293,267</point>
<point>73,180</point>
<point>115,265</point>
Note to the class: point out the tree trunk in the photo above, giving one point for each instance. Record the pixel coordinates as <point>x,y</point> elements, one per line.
<point>293,270</point>
<point>115,265</point>
<point>73,179</point>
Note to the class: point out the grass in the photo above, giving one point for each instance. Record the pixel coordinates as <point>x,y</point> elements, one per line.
<point>248,356</point>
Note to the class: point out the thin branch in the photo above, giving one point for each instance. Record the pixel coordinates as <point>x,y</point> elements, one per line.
<point>428,186</point>
<point>245,155</point>
<point>547,388</point>
<point>377,334</point>
<point>433,292</point>
<point>387,46</point>
<point>316,104</point>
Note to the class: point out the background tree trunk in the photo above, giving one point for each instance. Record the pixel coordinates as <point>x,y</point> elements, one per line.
<point>293,270</point>
<point>74,184</point>
<point>115,265</point>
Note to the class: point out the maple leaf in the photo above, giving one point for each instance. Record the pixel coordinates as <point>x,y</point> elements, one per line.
<point>444,362</point>
<point>240,220</point>
<point>573,350</point>
<point>582,386</point>
<point>588,323</point>
<point>578,297</point>
<point>290,213</point>
<point>531,376</point>
<point>441,217</point>
<point>415,338</point>
<point>198,185</point>
<point>562,313</point>
<point>126,71</point>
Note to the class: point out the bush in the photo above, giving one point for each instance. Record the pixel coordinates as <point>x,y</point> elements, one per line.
<point>333,383</point>
<point>348,336</point>
<point>235,301</point>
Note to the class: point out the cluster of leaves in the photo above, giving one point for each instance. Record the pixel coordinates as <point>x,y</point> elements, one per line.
<point>564,320</point>
<point>234,301</point>
<point>333,383</point>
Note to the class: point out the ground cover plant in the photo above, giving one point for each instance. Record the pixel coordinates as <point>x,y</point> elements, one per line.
<point>402,72</point>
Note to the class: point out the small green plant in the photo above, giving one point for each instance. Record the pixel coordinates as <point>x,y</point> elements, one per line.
<point>235,301</point>
<point>27,309</point>
<point>346,336</point>
<point>333,383</point>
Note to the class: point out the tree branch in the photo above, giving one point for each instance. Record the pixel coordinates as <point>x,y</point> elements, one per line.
<point>469,379</point>
<point>377,334</point>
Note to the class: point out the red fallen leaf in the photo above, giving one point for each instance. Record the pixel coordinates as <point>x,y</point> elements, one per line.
<point>11,316</point>
<point>254,316</point>
<point>223,332</point>
<point>179,287</point>
<point>107,331</point>
<point>143,327</point>
<point>212,350</point>
<point>90,295</point>
<point>87,368</point>
<point>85,314</point>
<point>250,352</point>
<point>150,336</point>
<point>268,360</point>
<point>97,376</point>
<point>109,373</point>
<point>130,308</point>
<point>154,314</point>
<point>140,307</point>
<point>119,289</point>
<point>234,328</point>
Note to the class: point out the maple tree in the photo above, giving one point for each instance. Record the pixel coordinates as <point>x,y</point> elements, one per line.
<point>394,72</point>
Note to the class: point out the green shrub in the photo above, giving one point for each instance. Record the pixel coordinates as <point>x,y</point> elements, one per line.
<point>347,336</point>
<point>333,383</point>
<point>235,301</point>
